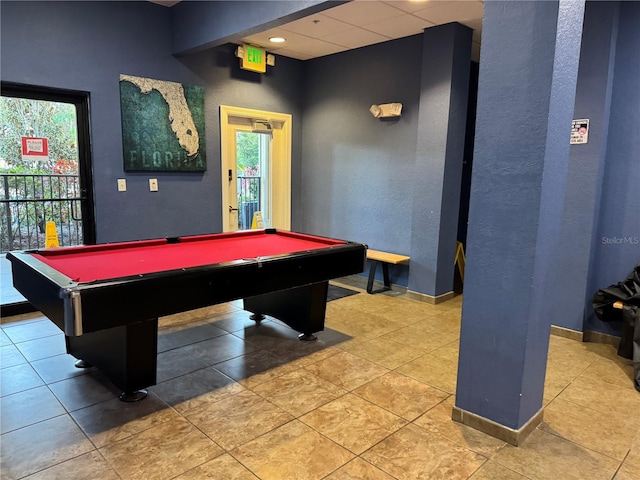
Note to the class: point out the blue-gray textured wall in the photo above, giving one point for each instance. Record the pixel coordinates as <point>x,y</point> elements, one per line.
<point>617,235</point>
<point>200,25</point>
<point>86,46</point>
<point>357,170</point>
<point>280,90</point>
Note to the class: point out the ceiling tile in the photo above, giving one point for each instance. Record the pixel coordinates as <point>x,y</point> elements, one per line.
<point>458,11</point>
<point>362,12</point>
<point>356,38</point>
<point>412,5</point>
<point>316,26</point>
<point>336,29</point>
<point>262,39</point>
<point>291,54</point>
<point>398,27</point>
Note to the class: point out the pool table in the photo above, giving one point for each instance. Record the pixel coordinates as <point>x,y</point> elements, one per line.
<point>107,298</point>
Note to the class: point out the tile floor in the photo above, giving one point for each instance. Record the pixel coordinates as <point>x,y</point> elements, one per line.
<point>371,399</point>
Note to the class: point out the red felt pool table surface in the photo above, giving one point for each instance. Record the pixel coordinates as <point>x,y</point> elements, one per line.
<point>117,260</point>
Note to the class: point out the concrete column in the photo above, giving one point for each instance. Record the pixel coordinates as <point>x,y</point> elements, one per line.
<point>528,71</point>
<point>446,59</point>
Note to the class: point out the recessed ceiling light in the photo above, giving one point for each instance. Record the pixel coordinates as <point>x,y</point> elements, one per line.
<point>277,39</point>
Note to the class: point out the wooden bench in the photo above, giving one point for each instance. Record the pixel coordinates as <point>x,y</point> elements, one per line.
<point>385,259</point>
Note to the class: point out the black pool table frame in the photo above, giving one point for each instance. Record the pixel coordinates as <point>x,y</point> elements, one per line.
<point>113,324</point>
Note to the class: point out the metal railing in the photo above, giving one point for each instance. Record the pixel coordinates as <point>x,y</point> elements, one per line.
<point>248,200</point>
<point>28,202</point>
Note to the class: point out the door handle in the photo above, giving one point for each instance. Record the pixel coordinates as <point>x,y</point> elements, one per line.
<point>231,209</point>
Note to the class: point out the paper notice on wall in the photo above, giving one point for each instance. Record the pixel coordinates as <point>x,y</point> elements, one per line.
<point>35,149</point>
<point>579,131</point>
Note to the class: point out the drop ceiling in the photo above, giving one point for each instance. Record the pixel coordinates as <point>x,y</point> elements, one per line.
<point>360,23</point>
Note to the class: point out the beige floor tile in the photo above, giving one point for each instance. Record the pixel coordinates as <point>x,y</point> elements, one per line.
<point>181,334</point>
<point>293,452</point>
<point>299,392</point>
<point>413,453</point>
<point>589,398</point>
<point>602,397</point>
<point>40,446</point>
<point>438,420</point>
<point>384,352</point>
<point>360,324</point>
<point>206,313</point>
<point>543,456</point>
<point>450,351</point>
<point>88,466</point>
<point>358,469</point>
<point>368,303</point>
<point>401,395</point>
<point>407,314</point>
<point>434,371</point>
<point>633,458</point>
<point>627,472</point>
<point>493,471</point>
<point>309,358</point>
<point>254,368</point>
<point>224,467</point>
<point>195,389</point>
<point>28,407</point>
<point>237,419</point>
<point>233,321</point>
<point>161,452</point>
<point>556,380</point>
<point>424,336</point>
<point>588,427</point>
<point>353,422</point>
<point>346,371</point>
<point>617,371</point>
<point>114,420</point>
<point>570,353</point>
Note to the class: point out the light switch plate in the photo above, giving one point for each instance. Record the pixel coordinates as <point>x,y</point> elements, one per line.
<point>153,184</point>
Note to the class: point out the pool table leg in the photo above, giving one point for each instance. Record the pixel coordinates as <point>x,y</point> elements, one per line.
<point>302,308</point>
<point>126,354</point>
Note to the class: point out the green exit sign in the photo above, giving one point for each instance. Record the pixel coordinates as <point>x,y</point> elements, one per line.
<point>255,59</point>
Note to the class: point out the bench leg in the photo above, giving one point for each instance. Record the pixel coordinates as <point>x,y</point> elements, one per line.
<point>372,276</point>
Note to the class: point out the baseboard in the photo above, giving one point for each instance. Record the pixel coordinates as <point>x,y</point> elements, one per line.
<point>423,297</point>
<point>599,337</point>
<point>586,336</point>
<point>506,434</point>
<point>567,333</point>
<point>361,282</point>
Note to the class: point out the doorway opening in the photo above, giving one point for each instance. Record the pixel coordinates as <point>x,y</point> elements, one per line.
<point>256,168</point>
<point>45,172</point>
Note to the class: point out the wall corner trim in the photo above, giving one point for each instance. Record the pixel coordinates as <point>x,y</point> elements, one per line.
<point>423,297</point>
<point>509,435</point>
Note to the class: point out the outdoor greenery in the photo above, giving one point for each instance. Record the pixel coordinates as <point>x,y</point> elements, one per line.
<point>29,189</point>
<point>248,165</point>
<point>247,151</point>
<point>20,117</point>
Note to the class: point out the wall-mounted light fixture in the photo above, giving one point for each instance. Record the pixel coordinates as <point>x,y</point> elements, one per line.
<point>386,110</point>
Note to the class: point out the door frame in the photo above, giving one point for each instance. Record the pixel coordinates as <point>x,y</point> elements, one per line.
<point>85,166</point>
<point>280,157</point>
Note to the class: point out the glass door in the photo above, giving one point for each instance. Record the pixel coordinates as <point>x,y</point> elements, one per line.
<point>45,174</point>
<point>256,168</point>
<point>253,160</point>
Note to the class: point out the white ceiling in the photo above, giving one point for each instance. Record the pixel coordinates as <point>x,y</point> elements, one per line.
<point>365,22</point>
